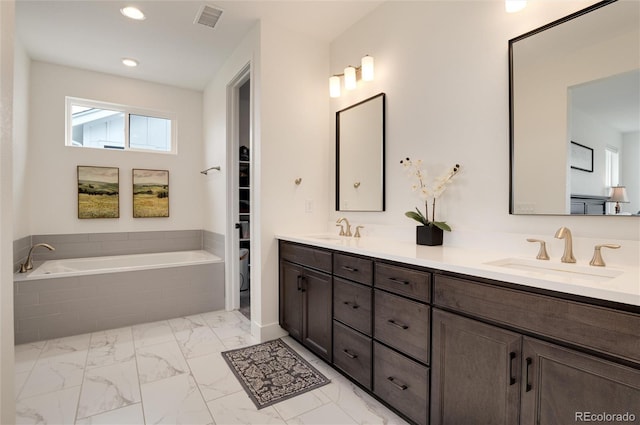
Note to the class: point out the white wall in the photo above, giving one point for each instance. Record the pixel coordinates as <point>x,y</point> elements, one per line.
<point>52,165</point>
<point>21,175</point>
<point>215,129</point>
<point>443,66</point>
<point>597,136</point>
<point>7,373</point>
<point>631,171</point>
<point>294,143</point>
<point>290,139</point>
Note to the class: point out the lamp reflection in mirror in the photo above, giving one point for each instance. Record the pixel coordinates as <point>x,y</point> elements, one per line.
<point>618,194</point>
<point>350,75</point>
<point>512,6</point>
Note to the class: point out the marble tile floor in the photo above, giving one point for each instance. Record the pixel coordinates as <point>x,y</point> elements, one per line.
<point>170,372</point>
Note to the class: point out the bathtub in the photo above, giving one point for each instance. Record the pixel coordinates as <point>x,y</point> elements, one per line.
<point>120,263</point>
<point>80,295</point>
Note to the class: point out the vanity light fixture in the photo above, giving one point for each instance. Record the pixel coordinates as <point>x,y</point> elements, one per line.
<point>132,63</point>
<point>133,13</point>
<point>512,6</point>
<point>350,75</point>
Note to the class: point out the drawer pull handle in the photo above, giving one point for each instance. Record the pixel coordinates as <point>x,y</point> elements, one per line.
<point>352,305</point>
<point>349,354</point>
<point>401,387</point>
<point>298,279</point>
<point>512,379</point>
<point>529,361</point>
<point>400,281</point>
<point>349,269</point>
<point>397,325</point>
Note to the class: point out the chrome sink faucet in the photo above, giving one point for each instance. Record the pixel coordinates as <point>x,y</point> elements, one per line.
<point>28,265</point>
<point>342,232</point>
<point>565,233</point>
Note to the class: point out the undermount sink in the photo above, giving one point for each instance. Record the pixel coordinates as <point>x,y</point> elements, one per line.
<point>540,268</point>
<point>329,238</point>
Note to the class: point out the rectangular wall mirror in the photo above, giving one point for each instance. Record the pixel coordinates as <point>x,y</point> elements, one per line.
<point>576,83</point>
<point>360,142</point>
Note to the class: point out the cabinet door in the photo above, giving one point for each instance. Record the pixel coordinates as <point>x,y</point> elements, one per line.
<point>562,386</point>
<point>316,312</point>
<point>291,299</point>
<point>475,373</point>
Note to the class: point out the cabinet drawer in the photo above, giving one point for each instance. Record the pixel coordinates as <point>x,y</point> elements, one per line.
<point>598,328</point>
<point>353,268</point>
<point>352,304</point>
<point>401,382</point>
<point>410,283</point>
<point>352,353</point>
<point>306,256</point>
<point>402,324</point>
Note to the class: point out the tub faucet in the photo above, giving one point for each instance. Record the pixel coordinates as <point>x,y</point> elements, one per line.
<point>28,265</point>
<point>565,233</point>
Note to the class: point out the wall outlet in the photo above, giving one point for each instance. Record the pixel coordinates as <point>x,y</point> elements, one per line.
<point>308,206</point>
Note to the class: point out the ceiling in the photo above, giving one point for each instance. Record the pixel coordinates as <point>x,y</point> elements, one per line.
<point>171,49</point>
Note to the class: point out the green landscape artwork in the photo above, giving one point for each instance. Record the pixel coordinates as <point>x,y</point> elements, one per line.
<point>150,193</point>
<point>98,192</point>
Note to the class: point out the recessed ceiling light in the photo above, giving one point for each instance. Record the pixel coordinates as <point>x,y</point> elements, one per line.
<point>130,62</point>
<point>133,13</point>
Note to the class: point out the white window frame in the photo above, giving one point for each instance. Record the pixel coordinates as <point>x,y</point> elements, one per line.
<point>612,166</point>
<point>127,110</point>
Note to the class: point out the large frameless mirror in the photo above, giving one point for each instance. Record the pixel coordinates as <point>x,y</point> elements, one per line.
<point>360,156</point>
<point>574,114</point>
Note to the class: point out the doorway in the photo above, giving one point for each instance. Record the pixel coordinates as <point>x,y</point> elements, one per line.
<point>244,196</point>
<point>239,192</point>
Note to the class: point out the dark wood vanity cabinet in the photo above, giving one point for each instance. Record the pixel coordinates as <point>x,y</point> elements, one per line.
<point>305,297</point>
<point>443,348</point>
<point>352,317</point>
<point>483,373</point>
<point>402,333</point>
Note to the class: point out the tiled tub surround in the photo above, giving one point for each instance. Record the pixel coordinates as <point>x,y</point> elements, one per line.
<point>169,371</point>
<point>82,245</point>
<point>57,307</point>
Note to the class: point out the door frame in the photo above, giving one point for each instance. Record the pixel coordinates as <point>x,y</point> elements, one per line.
<point>232,243</point>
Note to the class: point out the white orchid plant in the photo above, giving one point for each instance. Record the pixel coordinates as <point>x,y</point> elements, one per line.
<point>428,191</point>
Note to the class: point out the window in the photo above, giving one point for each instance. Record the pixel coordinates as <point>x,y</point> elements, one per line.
<point>612,167</point>
<point>101,125</point>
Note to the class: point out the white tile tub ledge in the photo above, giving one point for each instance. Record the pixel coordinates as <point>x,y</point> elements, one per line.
<point>73,296</point>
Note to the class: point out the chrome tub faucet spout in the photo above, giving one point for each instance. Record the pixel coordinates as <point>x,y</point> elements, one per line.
<point>28,264</point>
<point>565,233</point>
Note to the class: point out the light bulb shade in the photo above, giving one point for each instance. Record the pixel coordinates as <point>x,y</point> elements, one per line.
<point>349,78</point>
<point>334,86</point>
<point>618,194</point>
<point>512,6</point>
<point>367,68</point>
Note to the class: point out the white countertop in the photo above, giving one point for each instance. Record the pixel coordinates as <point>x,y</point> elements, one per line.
<point>623,286</point>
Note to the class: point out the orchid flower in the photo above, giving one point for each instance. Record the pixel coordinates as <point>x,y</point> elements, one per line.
<point>428,191</point>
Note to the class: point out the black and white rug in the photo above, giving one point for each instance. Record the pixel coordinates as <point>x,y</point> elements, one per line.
<point>272,372</point>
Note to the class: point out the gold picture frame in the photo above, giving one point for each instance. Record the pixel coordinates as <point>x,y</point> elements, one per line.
<point>150,193</point>
<point>98,192</point>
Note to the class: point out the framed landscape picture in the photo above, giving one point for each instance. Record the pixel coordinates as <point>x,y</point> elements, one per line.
<point>150,193</point>
<point>98,192</point>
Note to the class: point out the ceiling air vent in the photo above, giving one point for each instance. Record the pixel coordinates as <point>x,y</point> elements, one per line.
<point>208,15</point>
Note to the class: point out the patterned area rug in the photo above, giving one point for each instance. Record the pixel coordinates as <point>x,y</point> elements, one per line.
<point>272,372</point>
